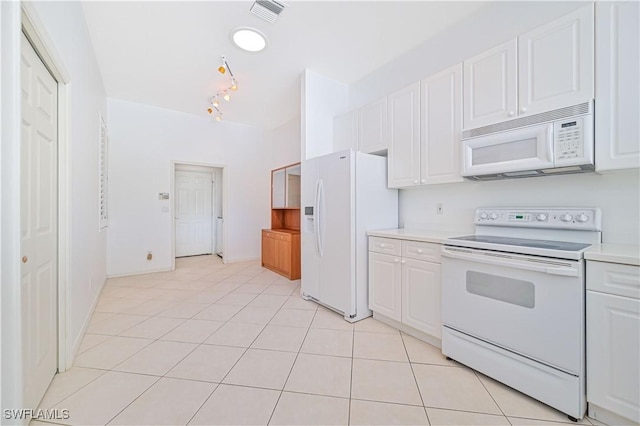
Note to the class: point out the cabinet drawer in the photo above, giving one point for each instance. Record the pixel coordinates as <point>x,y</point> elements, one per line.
<point>384,245</point>
<point>421,251</point>
<point>614,278</point>
<point>283,236</point>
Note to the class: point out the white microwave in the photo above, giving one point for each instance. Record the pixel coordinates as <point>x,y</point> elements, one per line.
<point>555,142</point>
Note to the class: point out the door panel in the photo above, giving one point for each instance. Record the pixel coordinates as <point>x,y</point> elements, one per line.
<point>310,278</point>
<point>39,219</point>
<point>555,63</point>
<point>404,137</point>
<point>490,86</point>
<point>613,351</point>
<point>421,296</point>
<point>441,113</point>
<point>194,213</point>
<point>533,313</point>
<point>385,275</point>
<point>337,219</point>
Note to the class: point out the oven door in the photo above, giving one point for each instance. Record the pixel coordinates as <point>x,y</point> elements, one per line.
<point>529,305</point>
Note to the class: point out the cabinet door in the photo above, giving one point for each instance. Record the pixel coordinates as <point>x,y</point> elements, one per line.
<point>421,296</point>
<point>345,132</point>
<point>490,86</point>
<point>404,137</point>
<point>613,353</point>
<point>268,251</point>
<point>441,120</point>
<point>617,85</point>
<point>555,63</point>
<point>372,127</point>
<point>283,255</point>
<point>278,189</point>
<point>385,291</point>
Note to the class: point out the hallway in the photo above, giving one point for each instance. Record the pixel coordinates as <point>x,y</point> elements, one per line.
<point>235,344</point>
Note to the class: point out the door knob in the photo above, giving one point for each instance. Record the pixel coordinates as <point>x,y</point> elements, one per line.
<point>25,259</point>
<point>511,113</point>
<point>523,109</point>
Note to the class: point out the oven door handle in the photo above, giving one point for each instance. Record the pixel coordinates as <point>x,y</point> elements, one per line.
<point>510,263</point>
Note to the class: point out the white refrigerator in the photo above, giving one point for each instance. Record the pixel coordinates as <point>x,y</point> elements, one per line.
<point>343,196</point>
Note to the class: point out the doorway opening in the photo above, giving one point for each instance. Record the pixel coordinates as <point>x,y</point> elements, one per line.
<point>198,210</point>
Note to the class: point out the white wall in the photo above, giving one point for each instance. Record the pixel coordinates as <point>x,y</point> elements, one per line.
<point>617,194</point>
<point>63,27</point>
<point>144,142</point>
<point>285,143</point>
<point>322,99</point>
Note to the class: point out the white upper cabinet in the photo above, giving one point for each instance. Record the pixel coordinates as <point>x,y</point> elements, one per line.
<point>555,63</point>
<point>441,125</point>
<point>404,137</point>
<point>372,129</point>
<point>490,86</point>
<point>345,132</point>
<point>617,85</point>
<point>548,68</point>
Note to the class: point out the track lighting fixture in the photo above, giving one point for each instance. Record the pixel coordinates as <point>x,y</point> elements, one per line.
<point>224,93</point>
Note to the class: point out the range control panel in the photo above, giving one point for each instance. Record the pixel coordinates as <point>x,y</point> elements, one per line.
<point>554,217</point>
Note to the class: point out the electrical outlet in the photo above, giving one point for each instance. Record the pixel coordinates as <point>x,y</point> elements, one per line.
<point>440,208</point>
<point>149,255</point>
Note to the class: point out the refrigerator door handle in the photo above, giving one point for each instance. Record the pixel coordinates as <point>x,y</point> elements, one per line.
<point>320,218</point>
<point>316,224</point>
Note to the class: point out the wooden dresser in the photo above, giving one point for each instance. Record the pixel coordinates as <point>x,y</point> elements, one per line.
<point>281,243</point>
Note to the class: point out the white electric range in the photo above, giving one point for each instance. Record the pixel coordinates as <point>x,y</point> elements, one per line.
<point>513,300</point>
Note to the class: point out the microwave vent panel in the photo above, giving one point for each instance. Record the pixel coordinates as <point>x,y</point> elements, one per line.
<point>558,114</point>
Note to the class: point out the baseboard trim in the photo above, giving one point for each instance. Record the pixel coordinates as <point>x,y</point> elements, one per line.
<point>131,274</point>
<point>71,356</point>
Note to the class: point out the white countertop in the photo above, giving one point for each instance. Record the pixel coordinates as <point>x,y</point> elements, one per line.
<point>615,253</point>
<point>425,235</point>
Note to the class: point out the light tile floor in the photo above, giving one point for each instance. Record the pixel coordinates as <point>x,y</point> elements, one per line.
<point>211,344</point>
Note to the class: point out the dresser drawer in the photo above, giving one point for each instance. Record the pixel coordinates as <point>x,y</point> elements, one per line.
<point>613,278</point>
<point>385,245</point>
<point>417,250</point>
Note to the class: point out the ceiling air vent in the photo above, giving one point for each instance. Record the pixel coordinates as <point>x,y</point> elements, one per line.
<point>269,10</point>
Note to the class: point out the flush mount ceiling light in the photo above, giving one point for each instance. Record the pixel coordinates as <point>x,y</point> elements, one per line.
<point>249,39</point>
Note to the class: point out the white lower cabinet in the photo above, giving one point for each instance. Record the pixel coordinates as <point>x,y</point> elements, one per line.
<point>404,285</point>
<point>613,342</point>
<point>421,296</point>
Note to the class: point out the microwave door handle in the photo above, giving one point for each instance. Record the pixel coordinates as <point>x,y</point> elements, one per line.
<point>551,156</point>
<point>480,258</point>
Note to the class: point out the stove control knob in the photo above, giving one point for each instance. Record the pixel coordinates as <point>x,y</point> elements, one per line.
<point>493,216</point>
<point>483,215</point>
<point>582,218</point>
<point>566,217</point>
<point>541,217</point>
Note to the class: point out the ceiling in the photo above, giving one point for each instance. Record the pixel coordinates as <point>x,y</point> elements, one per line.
<point>166,54</point>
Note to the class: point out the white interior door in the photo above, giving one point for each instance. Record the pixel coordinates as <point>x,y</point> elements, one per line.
<point>194,213</point>
<point>39,225</point>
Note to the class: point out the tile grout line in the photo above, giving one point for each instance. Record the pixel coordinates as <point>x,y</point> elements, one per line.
<point>291,369</point>
<point>475,373</point>
<point>353,344</point>
<point>404,345</point>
